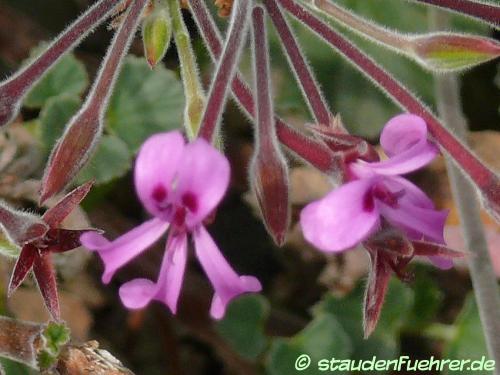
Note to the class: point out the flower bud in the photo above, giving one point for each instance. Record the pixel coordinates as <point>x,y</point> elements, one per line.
<point>453,52</point>
<point>157,33</point>
<point>269,179</point>
<point>71,152</point>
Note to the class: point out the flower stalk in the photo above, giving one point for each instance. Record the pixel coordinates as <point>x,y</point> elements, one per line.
<point>226,68</point>
<point>486,181</point>
<point>13,90</point>
<point>486,12</point>
<point>84,130</point>
<point>269,169</point>
<point>312,151</point>
<point>480,264</point>
<point>305,77</point>
<point>193,89</point>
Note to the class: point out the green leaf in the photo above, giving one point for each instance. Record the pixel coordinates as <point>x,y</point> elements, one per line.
<point>111,160</point>
<point>11,367</point>
<point>468,342</point>
<point>54,337</point>
<point>243,325</point>
<point>323,338</point>
<point>428,298</point>
<point>67,77</point>
<point>54,116</point>
<point>384,342</point>
<point>144,102</point>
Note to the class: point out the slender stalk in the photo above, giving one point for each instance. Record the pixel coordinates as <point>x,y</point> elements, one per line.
<point>480,264</point>
<point>226,68</point>
<point>487,12</point>
<point>312,151</point>
<point>484,178</point>
<point>193,89</point>
<point>304,75</point>
<point>85,128</point>
<point>379,34</point>
<point>13,89</point>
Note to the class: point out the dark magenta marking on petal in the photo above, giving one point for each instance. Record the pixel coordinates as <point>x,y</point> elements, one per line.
<point>368,202</point>
<point>159,193</point>
<point>190,201</point>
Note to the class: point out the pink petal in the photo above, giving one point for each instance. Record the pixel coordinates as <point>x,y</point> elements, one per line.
<point>401,133</point>
<point>342,219</point>
<point>155,169</point>
<point>226,282</point>
<point>404,139</point>
<point>442,263</point>
<point>172,271</point>
<point>137,293</point>
<point>117,253</point>
<point>417,222</point>
<point>202,181</point>
<point>412,193</point>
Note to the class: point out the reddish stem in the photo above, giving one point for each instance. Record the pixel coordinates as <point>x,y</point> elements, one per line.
<point>472,166</point>
<point>12,90</point>
<point>314,152</point>
<point>226,68</point>
<point>304,75</point>
<point>485,12</point>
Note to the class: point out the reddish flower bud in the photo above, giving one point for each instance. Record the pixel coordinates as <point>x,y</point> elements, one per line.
<point>378,281</point>
<point>157,33</point>
<point>269,178</point>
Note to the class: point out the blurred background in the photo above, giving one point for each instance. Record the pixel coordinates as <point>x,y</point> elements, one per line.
<point>311,303</point>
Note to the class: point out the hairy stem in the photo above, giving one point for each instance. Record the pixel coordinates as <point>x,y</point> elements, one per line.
<point>195,96</point>
<point>302,70</point>
<point>487,12</point>
<point>84,130</point>
<point>312,151</point>
<point>363,27</point>
<point>13,89</point>
<point>480,264</point>
<point>226,68</point>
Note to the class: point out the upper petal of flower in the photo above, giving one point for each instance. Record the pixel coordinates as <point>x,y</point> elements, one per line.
<point>343,218</point>
<point>137,293</point>
<point>404,139</point>
<point>401,133</point>
<point>117,253</point>
<point>226,282</point>
<point>202,181</point>
<point>155,169</point>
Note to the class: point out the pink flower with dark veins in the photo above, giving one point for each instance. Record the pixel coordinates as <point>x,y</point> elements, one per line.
<point>180,185</point>
<point>391,217</point>
<point>353,212</point>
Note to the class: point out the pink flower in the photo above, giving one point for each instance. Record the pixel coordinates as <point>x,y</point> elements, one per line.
<point>180,185</point>
<point>376,193</point>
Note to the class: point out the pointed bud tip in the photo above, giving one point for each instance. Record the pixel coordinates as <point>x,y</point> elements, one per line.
<point>454,52</point>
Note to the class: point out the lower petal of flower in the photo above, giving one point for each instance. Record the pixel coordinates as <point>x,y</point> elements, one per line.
<point>119,252</point>
<point>342,219</point>
<point>226,282</point>
<point>138,293</point>
<point>417,222</point>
